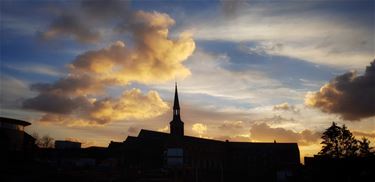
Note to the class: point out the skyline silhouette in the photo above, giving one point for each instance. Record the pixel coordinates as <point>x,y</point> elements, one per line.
<point>247,71</point>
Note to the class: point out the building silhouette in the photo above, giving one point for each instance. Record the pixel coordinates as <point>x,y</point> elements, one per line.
<point>150,156</point>
<point>14,141</point>
<point>188,158</point>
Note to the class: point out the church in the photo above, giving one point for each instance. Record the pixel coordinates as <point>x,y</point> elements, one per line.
<point>187,158</point>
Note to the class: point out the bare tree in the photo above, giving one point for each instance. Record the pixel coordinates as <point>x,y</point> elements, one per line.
<point>43,142</point>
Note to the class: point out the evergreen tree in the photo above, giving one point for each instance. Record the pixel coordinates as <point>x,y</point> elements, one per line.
<point>331,144</point>
<point>348,144</point>
<point>339,142</point>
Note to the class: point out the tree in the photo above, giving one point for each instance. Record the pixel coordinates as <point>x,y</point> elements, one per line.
<point>364,148</point>
<point>43,142</point>
<point>331,143</point>
<point>339,142</point>
<point>349,145</point>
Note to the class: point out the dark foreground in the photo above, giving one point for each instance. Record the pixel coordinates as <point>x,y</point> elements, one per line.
<point>48,169</point>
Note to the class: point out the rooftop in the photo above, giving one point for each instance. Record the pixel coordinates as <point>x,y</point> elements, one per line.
<point>14,121</point>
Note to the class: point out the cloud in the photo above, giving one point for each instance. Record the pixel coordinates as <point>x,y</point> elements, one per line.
<point>285,107</point>
<point>81,111</point>
<point>71,26</point>
<point>72,85</point>
<point>263,49</point>
<point>232,8</point>
<point>131,105</point>
<point>350,95</point>
<point>236,138</point>
<point>13,91</point>
<point>152,58</point>
<point>275,119</point>
<point>364,134</point>
<point>159,62</point>
<point>263,132</point>
<point>213,78</point>
<point>39,69</point>
<point>290,30</point>
<point>55,103</point>
<point>231,125</point>
<point>85,21</point>
<point>199,128</point>
<point>164,129</point>
<point>105,9</point>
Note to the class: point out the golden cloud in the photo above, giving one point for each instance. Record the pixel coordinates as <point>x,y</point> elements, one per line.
<point>154,58</point>
<point>264,133</point>
<point>131,105</point>
<point>71,26</point>
<point>199,128</point>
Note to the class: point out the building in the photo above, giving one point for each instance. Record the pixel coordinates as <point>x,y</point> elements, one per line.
<point>62,144</point>
<point>13,138</point>
<point>350,169</point>
<point>187,158</point>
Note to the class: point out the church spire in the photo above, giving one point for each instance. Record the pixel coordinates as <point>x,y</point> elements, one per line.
<point>176,105</point>
<point>176,125</point>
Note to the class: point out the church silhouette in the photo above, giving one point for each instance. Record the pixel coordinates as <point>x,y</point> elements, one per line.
<point>188,158</point>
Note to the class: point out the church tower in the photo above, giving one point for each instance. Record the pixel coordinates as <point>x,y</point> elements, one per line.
<point>176,125</point>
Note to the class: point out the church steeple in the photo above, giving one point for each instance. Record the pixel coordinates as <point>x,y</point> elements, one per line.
<point>176,105</point>
<point>176,125</point>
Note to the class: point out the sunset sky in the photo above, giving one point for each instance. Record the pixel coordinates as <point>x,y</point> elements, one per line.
<point>95,71</point>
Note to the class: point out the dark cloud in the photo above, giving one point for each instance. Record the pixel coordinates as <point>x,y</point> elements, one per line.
<point>13,91</point>
<point>70,25</point>
<point>83,22</point>
<point>264,132</point>
<point>350,95</point>
<point>105,9</point>
<point>54,103</point>
<point>72,85</point>
<point>231,8</point>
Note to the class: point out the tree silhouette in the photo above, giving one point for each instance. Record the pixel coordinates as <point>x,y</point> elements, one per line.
<point>349,145</point>
<point>339,142</point>
<point>364,148</point>
<point>43,142</point>
<point>331,143</point>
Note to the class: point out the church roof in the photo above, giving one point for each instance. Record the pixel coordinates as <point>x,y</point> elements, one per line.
<point>149,134</point>
<point>14,121</point>
<point>149,139</point>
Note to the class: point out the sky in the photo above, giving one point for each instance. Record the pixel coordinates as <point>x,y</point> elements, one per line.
<point>254,71</point>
